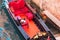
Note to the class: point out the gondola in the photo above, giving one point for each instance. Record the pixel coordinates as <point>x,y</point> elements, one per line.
<point>30,25</point>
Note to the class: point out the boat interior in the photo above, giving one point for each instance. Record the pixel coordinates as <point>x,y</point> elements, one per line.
<point>31,25</point>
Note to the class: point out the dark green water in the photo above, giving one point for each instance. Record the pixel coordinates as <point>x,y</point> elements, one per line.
<point>8,25</point>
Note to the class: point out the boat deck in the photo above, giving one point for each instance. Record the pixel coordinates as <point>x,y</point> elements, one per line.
<point>32,28</point>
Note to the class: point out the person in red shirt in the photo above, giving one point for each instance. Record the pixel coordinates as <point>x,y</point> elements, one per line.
<point>17,4</point>
<point>19,7</point>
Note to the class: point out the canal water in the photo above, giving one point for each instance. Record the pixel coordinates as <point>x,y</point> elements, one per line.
<point>8,26</point>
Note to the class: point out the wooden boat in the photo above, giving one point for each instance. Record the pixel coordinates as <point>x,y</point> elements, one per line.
<point>29,24</point>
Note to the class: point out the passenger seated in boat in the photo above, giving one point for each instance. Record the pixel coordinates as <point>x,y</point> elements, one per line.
<point>23,22</point>
<point>19,7</point>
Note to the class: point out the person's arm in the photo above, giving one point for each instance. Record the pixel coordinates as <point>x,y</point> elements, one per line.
<point>11,8</point>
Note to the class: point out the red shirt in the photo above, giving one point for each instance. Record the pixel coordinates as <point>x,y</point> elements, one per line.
<point>17,5</point>
<point>21,3</point>
<point>13,5</point>
<point>20,8</point>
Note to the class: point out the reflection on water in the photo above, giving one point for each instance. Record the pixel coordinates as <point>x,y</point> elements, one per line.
<point>5,22</point>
